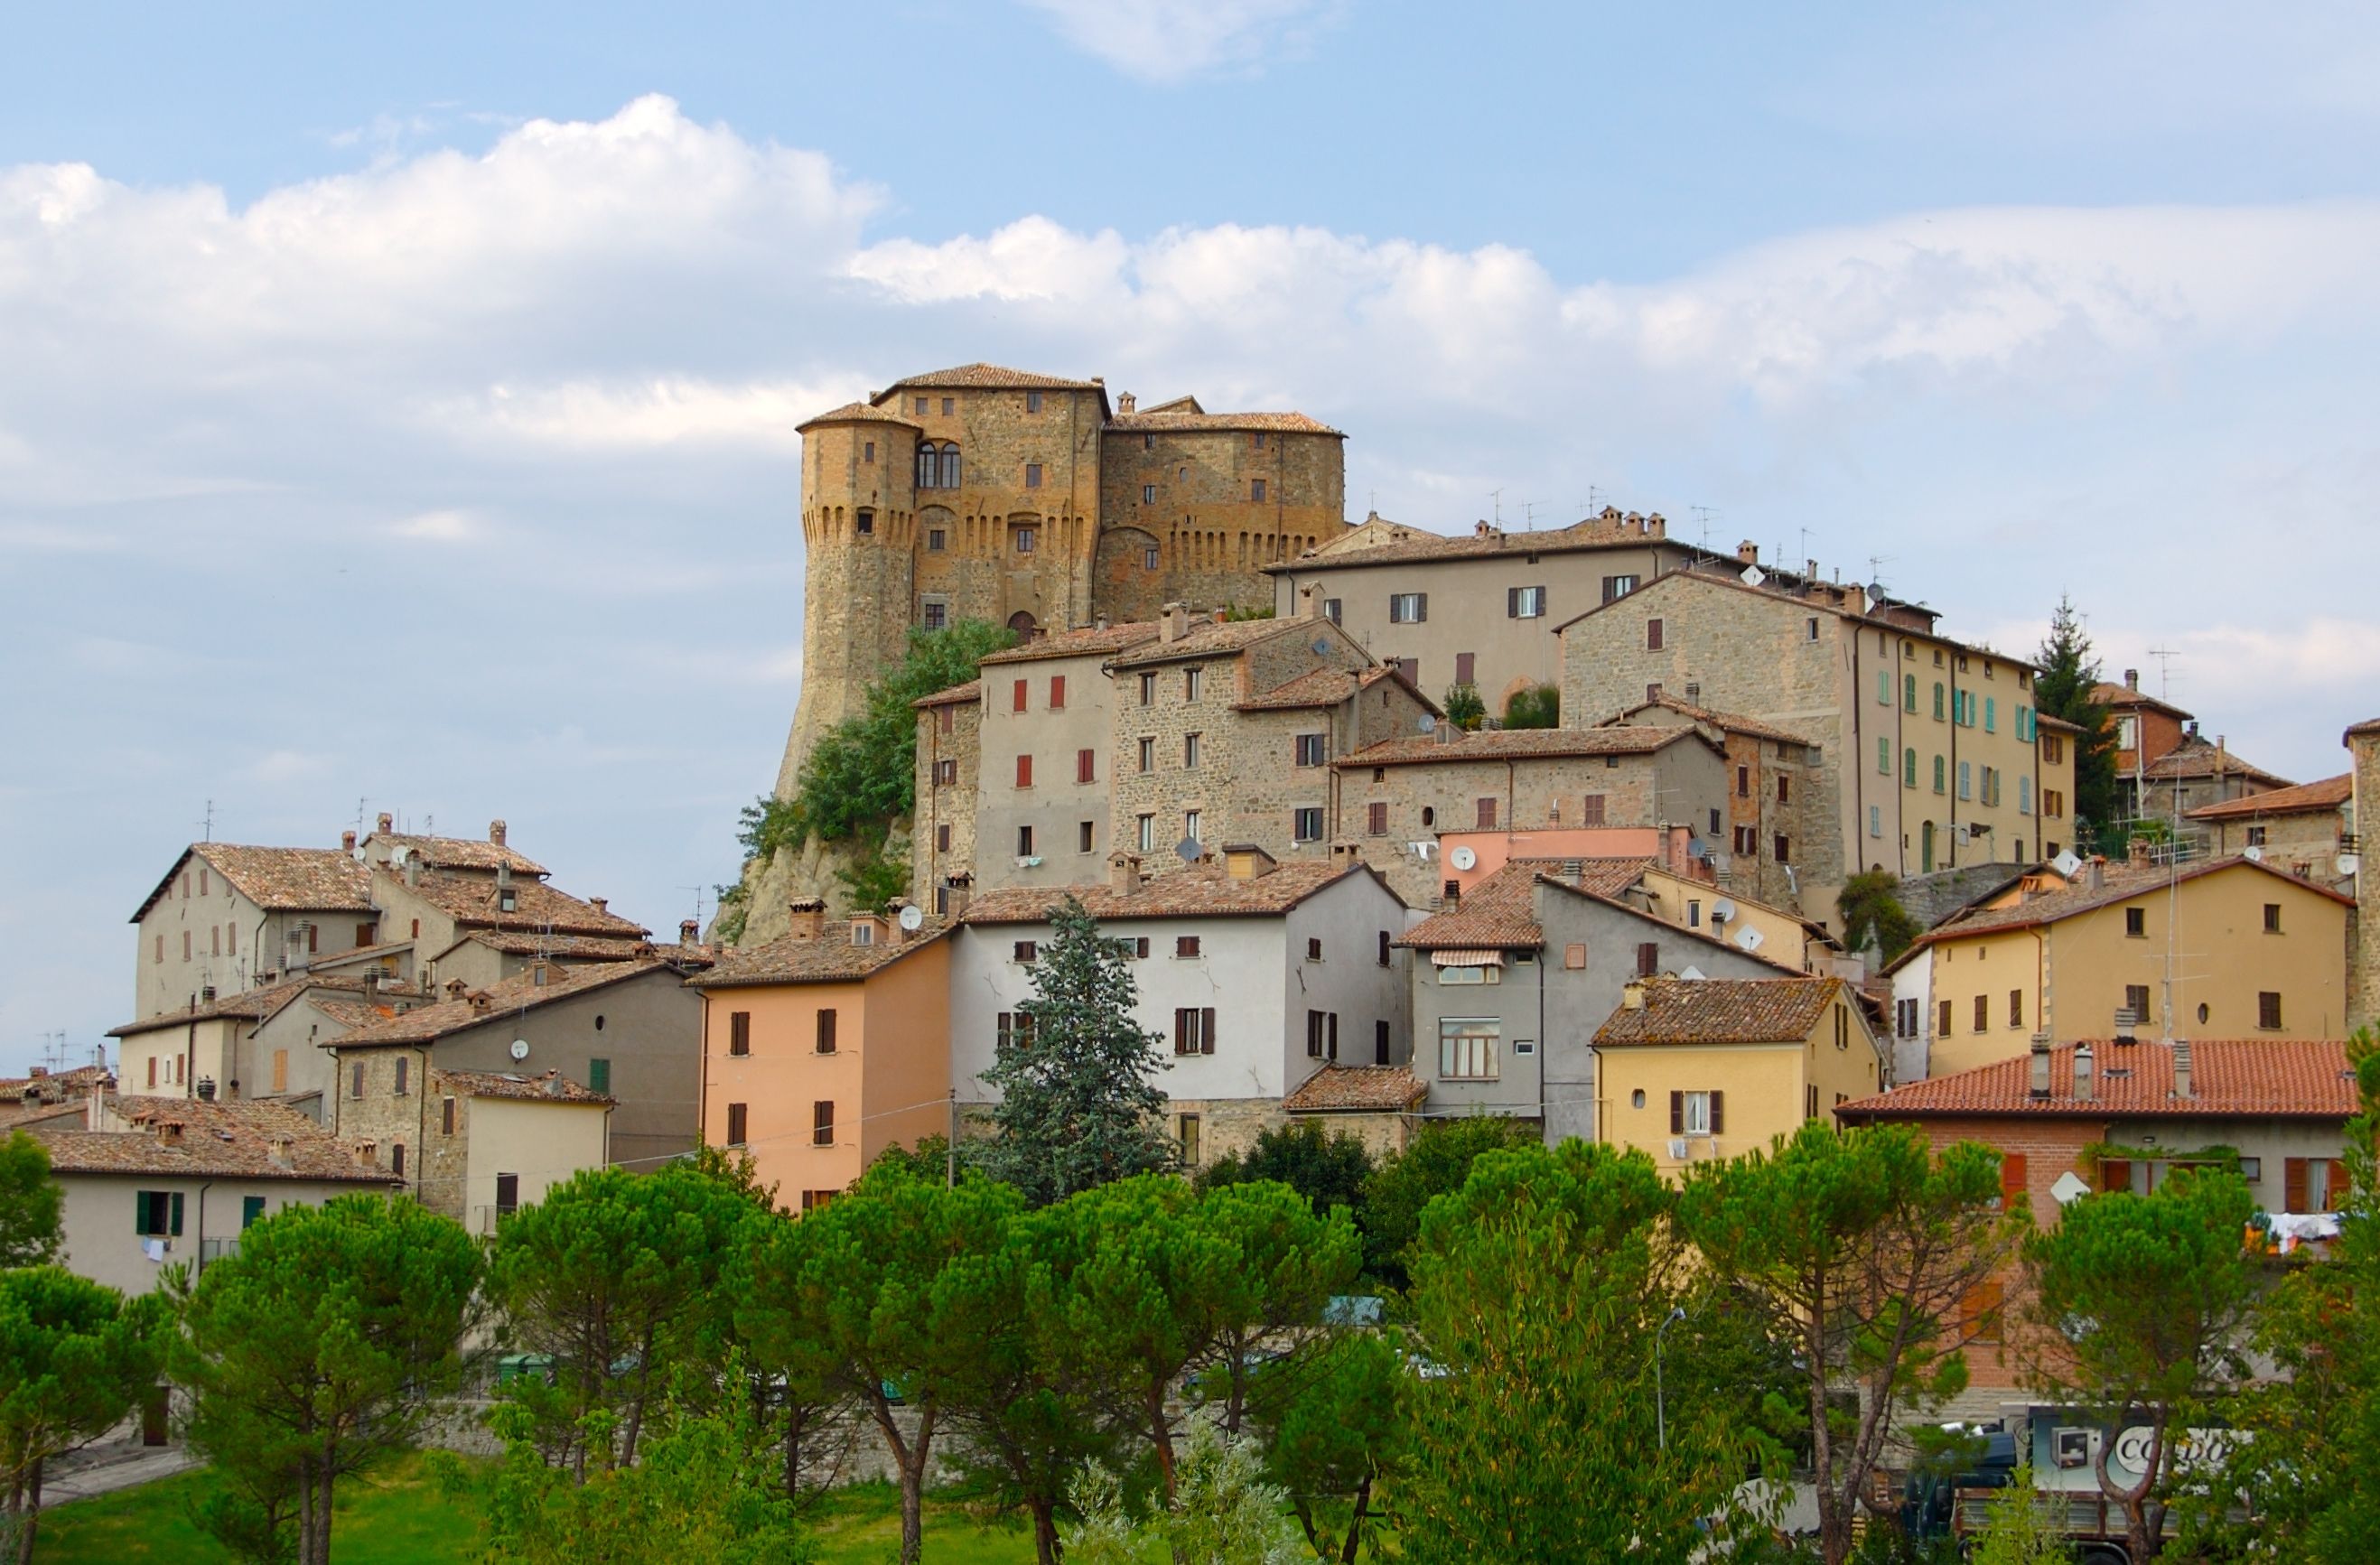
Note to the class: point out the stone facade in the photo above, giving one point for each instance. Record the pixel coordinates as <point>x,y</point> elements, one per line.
<point>949,771</point>
<point>979,493</point>
<point>2363,973</point>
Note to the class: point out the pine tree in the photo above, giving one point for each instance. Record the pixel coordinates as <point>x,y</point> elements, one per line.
<point>2062,684</point>
<point>1077,1107</point>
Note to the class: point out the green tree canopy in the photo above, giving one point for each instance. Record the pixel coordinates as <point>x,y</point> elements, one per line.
<point>2143,1306</point>
<point>30,1202</point>
<point>2066,675</point>
<point>1464,707</point>
<point>75,1357</point>
<point>1436,1162</point>
<point>616,1276</point>
<point>1327,1170</point>
<point>324,1346</point>
<point>1539,1289</point>
<point>1078,1105</point>
<point>1534,706</point>
<point>1335,1437</point>
<point>1866,1250</point>
<point>1868,905</point>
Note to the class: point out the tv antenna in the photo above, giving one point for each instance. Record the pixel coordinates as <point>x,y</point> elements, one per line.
<point>698,892</point>
<point>207,823</point>
<point>1529,514</point>
<point>2165,656</point>
<point>1496,499</point>
<point>1706,515</point>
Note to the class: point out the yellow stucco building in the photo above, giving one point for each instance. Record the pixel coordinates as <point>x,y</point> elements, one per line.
<point>2228,948</point>
<point>1690,1069</point>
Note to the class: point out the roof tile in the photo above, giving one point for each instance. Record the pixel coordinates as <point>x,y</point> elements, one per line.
<point>2256,1077</point>
<point>1508,743</point>
<point>827,957</point>
<point>217,1141</point>
<point>1722,1011</point>
<point>1356,1089</point>
<point>1193,894</point>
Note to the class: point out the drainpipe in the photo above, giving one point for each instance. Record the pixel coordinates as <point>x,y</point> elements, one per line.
<point>421,1121</point>
<point>2041,1011</point>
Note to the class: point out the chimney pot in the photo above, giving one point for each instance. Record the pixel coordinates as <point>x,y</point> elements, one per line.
<point>1309,602</point>
<point>279,1149</point>
<point>1124,873</point>
<point>2132,679</point>
<point>1631,997</point>
<point>2098,871</point>
<point>347,842</point>
<point>1173,622</point>
<point>2182,1083</point>
<point>169,1133</point>
<point>2082,1072</point>
<point>689,932</point>
<point>807,917</point>
<point>1126,402</point>
<point>206,1088</point>
<point>1748,552</point>
<point>387,822</point>
<point>496,833</point>
<point>599,903</point>
<point>413,869</point>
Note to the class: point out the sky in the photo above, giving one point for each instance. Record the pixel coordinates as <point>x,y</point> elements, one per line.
<point>397,405</point>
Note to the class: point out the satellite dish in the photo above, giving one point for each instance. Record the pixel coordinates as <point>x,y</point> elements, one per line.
<point>1427,723</point>
<point>2349,863</point>
<point>1753,575</point>
<point>521,1048</point>
<point>1692,972</point>
<point>912,917</point>
<point>2069,1189</point>
<point>1463,859</point>
<point>2066,865</point>
<point>1722,910</point>
<point>1748,938</point>
<point>1321,645</point>
<point>1188,851</point>
<point>2253,855</point>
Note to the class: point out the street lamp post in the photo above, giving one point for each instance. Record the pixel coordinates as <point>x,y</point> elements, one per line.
<point>1660,1409</point>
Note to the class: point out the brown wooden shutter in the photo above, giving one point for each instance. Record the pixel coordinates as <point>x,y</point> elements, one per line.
<point>1086,766</point>
<point>1649,959</point>
<point>737,1115</point>
<point>1511,602</point>
<point>2012,1187</point>
<point>446,1118</point>
<point>2293,1184</point>
<point>2115,1174</point>
<point>1651,635</point>
<point>826,1031</point>
<point>1421,606</point>
<point>1677,1113</point>
<point>1719,1113</point>
<point>1207,1030</point>
<point>1377,818</point>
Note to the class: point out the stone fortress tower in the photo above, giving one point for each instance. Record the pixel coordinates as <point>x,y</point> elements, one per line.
<point>1030,500</point>
<point>2363,930</point>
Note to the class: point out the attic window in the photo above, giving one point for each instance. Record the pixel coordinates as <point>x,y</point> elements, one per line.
<point>507,900</point>
<point>863,931</point>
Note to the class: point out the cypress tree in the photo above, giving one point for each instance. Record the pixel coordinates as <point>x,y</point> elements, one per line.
<point>2066,672</point>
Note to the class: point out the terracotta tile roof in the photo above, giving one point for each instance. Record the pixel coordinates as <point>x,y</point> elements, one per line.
<point>2045,721</point>
<point>1205,639</point>
<point>218,1141</point>
<point>427,1024</point>
<point>459,853</point>
<point>957,695</point>
<point>471,902</point>
<point>1076,643</point>
<point>251,1005</point>
<point>1608,530</point>
<point>1499,913</point>
<point>351,1014</point>
<point>2369,725</point>
<point>42,1119</point>
<point>2195,758</point>
<point>1516,744</point>
<point>1723,1011</point>
<point>2326,795</point>
<point>987,377</point>
<point>860,413</point>
<point>827,957</point>
<point>279,879</point>
<point>552,1086</point>
<point>1157,421</point>
<point>1192,893</point>
<point>2120,882</point>
<point>1319,687</point>
<point>2108,694</point>
<point>1734,722</point>
<point>2241,1077</point>
<point>561,948</point>
<point>58,1086</point>
<point>362,956</point>
<point>1358,1090</point>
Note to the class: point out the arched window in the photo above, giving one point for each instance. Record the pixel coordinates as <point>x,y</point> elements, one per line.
<point>950,467</point>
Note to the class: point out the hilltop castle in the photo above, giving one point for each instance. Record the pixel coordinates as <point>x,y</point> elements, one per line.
<point>1032,501</point>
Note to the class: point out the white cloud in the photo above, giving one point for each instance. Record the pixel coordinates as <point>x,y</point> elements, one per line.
<point>1171,40</point>
<point>439,527</point>
<point>662,411</point>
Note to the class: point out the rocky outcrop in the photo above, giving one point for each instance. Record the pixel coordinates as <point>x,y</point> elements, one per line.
<point>809,870</point>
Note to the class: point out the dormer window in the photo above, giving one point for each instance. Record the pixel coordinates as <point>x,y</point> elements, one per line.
<point>507,900</point>
<point>863,931</point>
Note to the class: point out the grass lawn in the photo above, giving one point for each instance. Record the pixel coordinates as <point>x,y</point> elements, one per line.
<point>398,1517</point>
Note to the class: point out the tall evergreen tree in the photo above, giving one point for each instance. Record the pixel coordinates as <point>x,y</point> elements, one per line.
<point>1077,1107</point>
<point>2066,675</point>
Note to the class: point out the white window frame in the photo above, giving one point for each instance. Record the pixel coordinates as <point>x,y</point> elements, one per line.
<point>1468,1049</point>
<point>1697,1114</point>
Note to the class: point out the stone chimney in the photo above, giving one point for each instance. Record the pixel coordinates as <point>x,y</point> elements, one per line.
<point>2082,1072</point>
<point>169,1133</point>
<point>1309,602</point>
<point>1173,623</point>
<point>366,1154</point>
<point>2138,852</point>
<point>553,1083</point>
<point>689,932</point>
<point>599,905</point>
<point>961,890</point>
<point>412,869</point>
<point>1126,402</point>
<point>1631,996</point>
<point>1124,873</point>
<point>2132,679</point>
<point>1748,552</point>
<point>346,841</point>
<point>387,823</point>
<point>496,833</point>
<point>807,917</point>
<point>2181,1085</point>
<point>479,1001</point>
<point>2040,1082</point>
<point>2096,873</point>
<point>282,1150</point>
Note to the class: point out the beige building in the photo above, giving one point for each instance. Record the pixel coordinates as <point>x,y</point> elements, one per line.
<point>255,1043</point>
<point>1696,1070</point>
<point>152,1182</point>
<point>1479,609</point>
<point>1031,501</point>
<point>2300,829</point>
<point>1927,751</point>
<point>492,1142</point>
<point>2223,948</point>
<point>227,916</point>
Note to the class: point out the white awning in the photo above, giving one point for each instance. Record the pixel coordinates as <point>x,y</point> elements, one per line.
<point>1467,958</point>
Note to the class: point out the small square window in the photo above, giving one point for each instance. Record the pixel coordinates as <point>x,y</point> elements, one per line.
<point>2136,922</point>
<point>1026,951</point>
<point>1033,402</point>
<point>1257,490</point>
<point>1148,495</point>
<point>1149,560</point>
<point>2272,918</point>
<point>1306,825</point>
<point>924,403</point>
<point>1033,475</point>
<point>950,406</point>
<point>1025,539</point>
<point>937,540</point>
<point>1185,945</point>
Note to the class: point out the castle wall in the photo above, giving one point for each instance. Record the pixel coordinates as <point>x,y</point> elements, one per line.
<point>1195,494</point>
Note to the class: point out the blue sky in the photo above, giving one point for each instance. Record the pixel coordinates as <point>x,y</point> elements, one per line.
<point>397,408</point>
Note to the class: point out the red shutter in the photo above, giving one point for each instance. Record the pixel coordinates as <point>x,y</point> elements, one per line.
<point>2293,1184</point>
<point>1378,819</point>
<point>1057,692</point>
<point>1086,766</point>
<point>1651,635</point>
<point>1025,771</point>
<point>1719,1113</point>
<point>2116,1173</point>
<point>2012,1189</point>
<point>1677,1113</point>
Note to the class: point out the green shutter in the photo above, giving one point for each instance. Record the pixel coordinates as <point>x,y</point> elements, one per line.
<point>250,1208</point>
<point>176,1228</point>
<point>598,1074</point>
<point>141,1212</point>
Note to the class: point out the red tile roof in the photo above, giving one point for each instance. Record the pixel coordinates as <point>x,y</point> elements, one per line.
<point>2121,882</point>
<point>58,1085</point>
<point>1317,687</point>
<point>2108,694</point>
<point>1733,722</point>
<point>2307,797</point>
<point>1723,1011</point>
<point>860,413</point>
<point>957,695</point>
<point>551,1087</point>
<point>1075,643</point>
<point>427,1024</point>
<point>1609,529</point>
<point>827,957</point>
<point>250,1005</point>
<point>2262,1078</point>
<point>472,900</point>
<point>2195,758</point>
<point>1512,744</point>
<point>1358,1090</point>
<point>1157,421</point>
<point>217,1141</point>
<point>279,879</point>
<point>1190,893</point>
<point>2369,725</point>
<point>987,376</point>
<point>1205,639</point>
<point>458,853</point>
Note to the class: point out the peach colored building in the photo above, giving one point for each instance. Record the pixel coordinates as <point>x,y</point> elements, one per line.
<point>826,1046</point>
